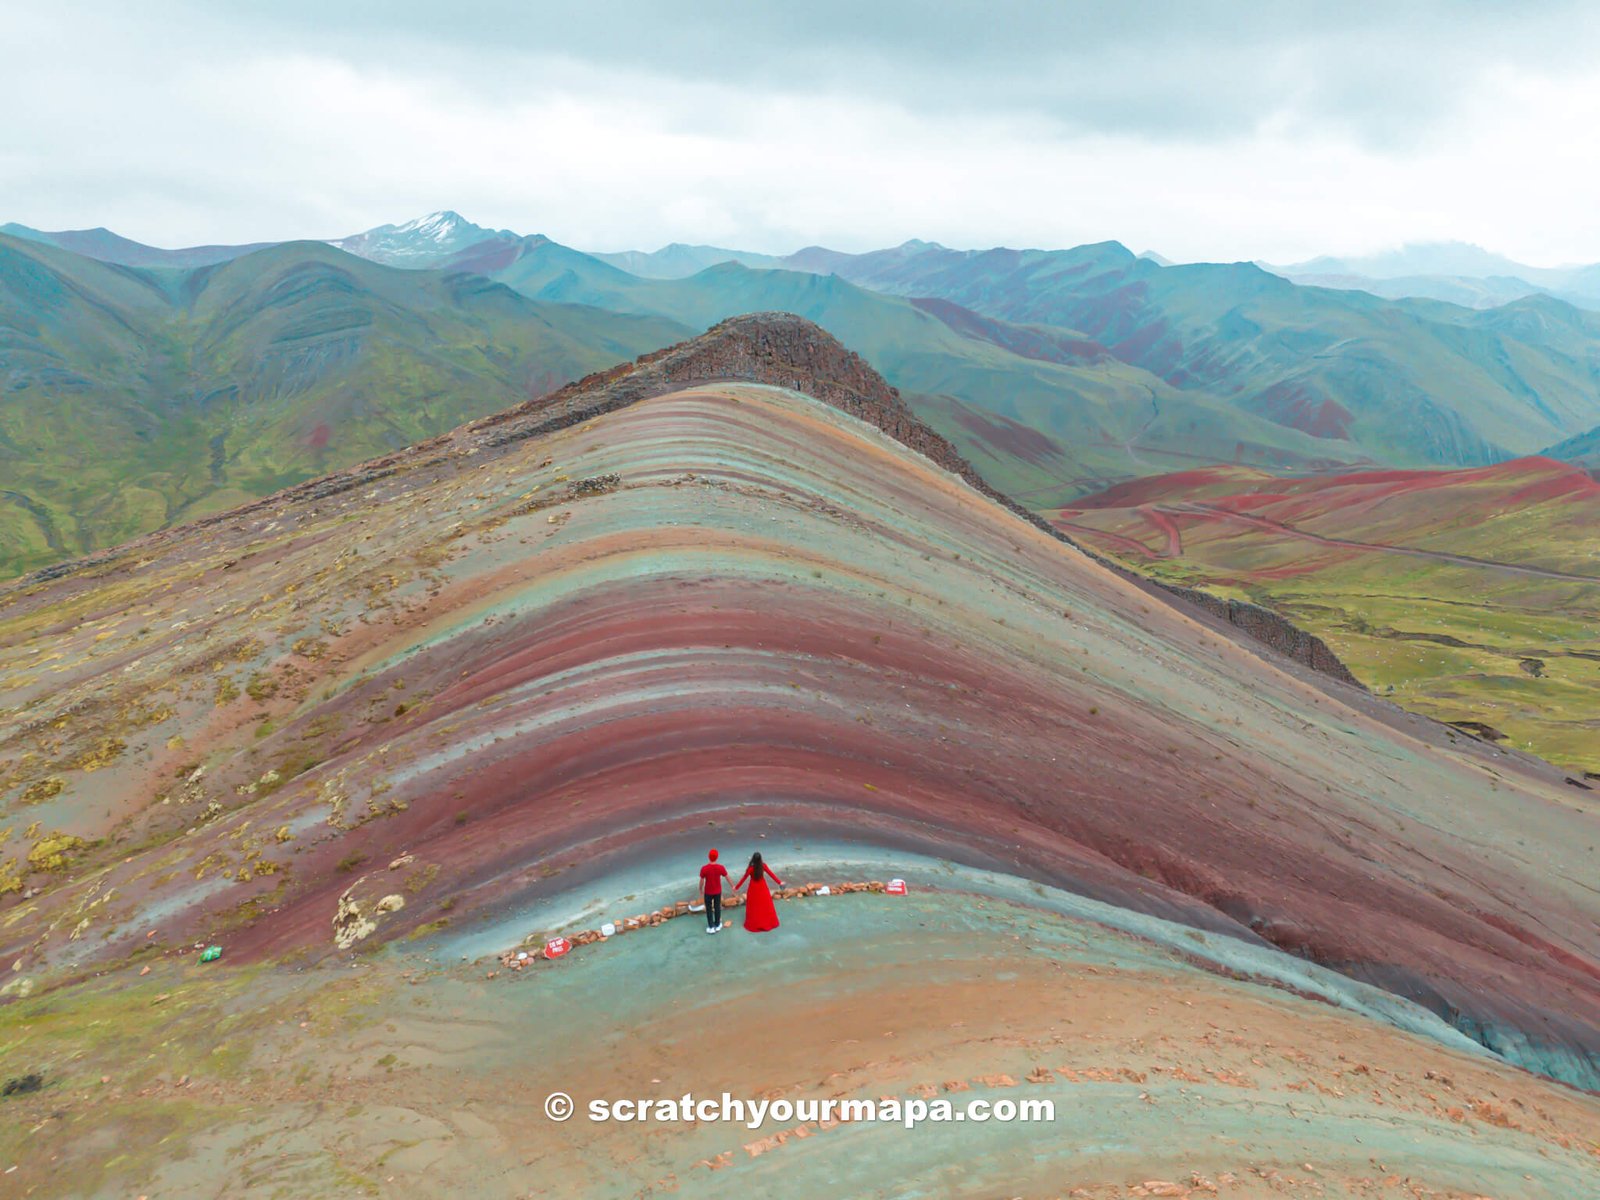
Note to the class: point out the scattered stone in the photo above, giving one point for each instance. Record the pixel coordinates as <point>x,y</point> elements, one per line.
<point>595,485</point>
<point>22,1084</point>
<point>349,924</point>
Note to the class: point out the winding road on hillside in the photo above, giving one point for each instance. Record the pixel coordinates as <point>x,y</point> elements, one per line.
<point>1194,508</point>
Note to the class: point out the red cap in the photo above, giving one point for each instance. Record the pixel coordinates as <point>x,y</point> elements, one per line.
<point>713,856</point>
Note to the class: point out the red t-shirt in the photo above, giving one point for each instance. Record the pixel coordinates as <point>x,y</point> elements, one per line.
<point>711,877</point>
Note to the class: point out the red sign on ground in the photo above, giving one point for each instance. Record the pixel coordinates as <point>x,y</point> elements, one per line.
<point>556,947</point>
<point>895,887</point>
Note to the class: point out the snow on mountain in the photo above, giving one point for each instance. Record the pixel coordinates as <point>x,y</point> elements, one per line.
<point>422,242</point>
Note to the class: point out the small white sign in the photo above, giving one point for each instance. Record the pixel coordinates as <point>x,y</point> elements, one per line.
<point>607,929</point>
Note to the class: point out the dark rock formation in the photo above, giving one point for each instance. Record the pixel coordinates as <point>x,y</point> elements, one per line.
<point>1272,629</point>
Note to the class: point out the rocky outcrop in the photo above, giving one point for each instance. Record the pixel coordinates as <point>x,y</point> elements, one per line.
<point>1271,629</point>
<point>779,349</point>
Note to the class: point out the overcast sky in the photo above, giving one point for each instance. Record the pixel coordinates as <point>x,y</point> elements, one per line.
<point>1205,131</point>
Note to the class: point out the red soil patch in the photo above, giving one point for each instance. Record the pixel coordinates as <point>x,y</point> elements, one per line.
<point>1297,407</point>
<point>1136,492</point>
<point>1008,436</point>
<point>1019,339</point>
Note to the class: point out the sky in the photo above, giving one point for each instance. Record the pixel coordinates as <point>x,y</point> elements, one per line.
<point>1204,131</point>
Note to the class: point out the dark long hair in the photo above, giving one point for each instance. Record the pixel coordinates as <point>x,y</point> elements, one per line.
<point>758,869</point>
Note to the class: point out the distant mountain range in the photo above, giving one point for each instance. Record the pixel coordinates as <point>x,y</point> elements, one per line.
<point>1457,272</point>
<point>1413,384</point>
<point>679,261</point>
<point>1408,382</point>
<point>107,247</point>
<point>190,379</point>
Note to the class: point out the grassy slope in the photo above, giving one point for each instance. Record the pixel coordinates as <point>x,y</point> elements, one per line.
<point>135,398</point>
<point>1460,641</point>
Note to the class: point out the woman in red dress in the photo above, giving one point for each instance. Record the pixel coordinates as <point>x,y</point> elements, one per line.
<point>759,913</point>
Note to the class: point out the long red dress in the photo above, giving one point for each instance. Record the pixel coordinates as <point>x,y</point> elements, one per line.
<point>760,914</point>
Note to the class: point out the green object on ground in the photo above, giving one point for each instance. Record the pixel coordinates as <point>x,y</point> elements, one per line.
<point>212,953</point>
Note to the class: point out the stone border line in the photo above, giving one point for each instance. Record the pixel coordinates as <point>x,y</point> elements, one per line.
<point>537,948</point>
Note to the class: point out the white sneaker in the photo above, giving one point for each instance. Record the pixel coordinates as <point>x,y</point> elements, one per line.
<point>718,929</point>
<point>712,928</point>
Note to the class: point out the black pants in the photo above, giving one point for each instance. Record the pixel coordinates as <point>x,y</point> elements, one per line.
<point>713,909</point>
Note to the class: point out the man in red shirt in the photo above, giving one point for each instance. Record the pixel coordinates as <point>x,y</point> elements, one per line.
<point>711,877</point>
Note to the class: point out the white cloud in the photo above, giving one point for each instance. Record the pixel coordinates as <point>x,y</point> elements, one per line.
<point>197,133</point>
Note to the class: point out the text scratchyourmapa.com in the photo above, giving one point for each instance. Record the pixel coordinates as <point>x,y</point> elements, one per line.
<point>753,1114</point>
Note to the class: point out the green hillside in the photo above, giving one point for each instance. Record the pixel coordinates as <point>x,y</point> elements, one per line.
<point>134,398</point>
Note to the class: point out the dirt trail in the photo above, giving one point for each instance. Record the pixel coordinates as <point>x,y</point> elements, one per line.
<point>1165,524</point>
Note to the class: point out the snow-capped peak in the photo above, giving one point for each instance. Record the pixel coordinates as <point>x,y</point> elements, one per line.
<point>421,242</point>
<point>437,225</point>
